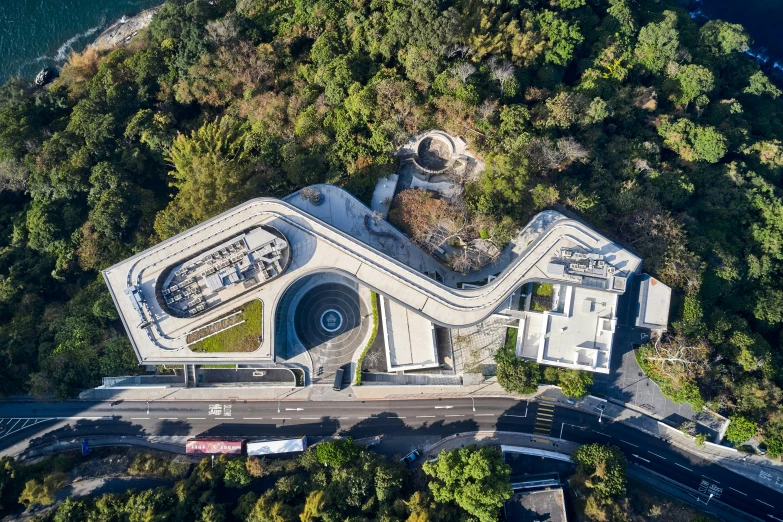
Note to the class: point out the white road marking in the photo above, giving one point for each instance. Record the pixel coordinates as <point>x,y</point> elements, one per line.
<point>399,417</point>
<point>252,418</point>
<point>225,418</point>
<point>629,443</point>
<point>281,418</point>
<point>140,418</point>
<point>196,418</point>
<point>362,418</point>
<point>425,416</point>
<point>343,418</point>
<point>712,479</point>
<point>770,505</point>
<point>738,491</point>
<point>310,418</point>
<point>651,453</point>
<point>167,418</point>
<point>454,415</point>
<point>483,414</point>
<point>604,434</point>
<point>683,467</point>
<point>507,415</point>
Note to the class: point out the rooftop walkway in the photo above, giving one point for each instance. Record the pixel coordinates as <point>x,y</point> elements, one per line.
<point>318,246</point>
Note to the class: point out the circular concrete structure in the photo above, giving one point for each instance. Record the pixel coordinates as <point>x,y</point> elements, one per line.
<point>435,152</point>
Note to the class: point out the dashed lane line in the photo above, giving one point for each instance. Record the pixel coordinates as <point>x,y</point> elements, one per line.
<point>712,479</point>
<point>252,418</point>
<point>196,418</point>
<point>651,453</point>
<point>484,415</point>
<point>140,418</point>
<point>454,415</point>
<point>425,416</point>
<point>738,491</point>
<point>629,443</point>
<point>601,433</point>
<point>167,418</point>
<point>683,467</point>
<point>310,418</point>
<point>281,418</point>
<point>770,505</point>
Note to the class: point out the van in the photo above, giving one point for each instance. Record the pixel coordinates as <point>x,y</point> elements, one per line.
<point>338,379</point>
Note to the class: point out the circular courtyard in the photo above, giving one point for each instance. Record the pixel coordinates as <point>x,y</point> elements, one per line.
<point>329,323</point>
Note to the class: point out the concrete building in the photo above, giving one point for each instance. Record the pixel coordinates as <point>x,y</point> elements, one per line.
<point>261,250</point>
<point>536,506</point>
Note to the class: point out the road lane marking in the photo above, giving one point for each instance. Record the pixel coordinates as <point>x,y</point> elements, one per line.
<point>683,467</point>
<point>712,479</point>
<point>195,418</point>
<point>140,418</point>
<point>343,418</point>
<point>398,417</point>
<point>310,418</point>
<point>629,443</point>
<point>483,414</point>
<point>167,418</point>
<point>425,416</point>
<point>519,416</point>
<point>600,433</point>
<point>252,418</point>
<point>281,418</point>
<point>651,453</point>
<point>641,458</point>
<point>225,418</point>
<point>454,415</point>
<point>770,505</point>
<point>362,418</point>
<point>738,491</point>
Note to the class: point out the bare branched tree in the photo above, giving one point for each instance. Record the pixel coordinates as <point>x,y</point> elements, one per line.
<point>544,154</point>
<point>452,50</point>
<point>679,358</point>
<point>572,149</point>
<point>13,175</point>
<point>222,31</point>
<point>501,70</point>
<point>487,109</point>
<point>463,71</point>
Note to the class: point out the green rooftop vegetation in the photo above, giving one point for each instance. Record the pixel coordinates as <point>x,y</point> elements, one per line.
<point>243,337</point>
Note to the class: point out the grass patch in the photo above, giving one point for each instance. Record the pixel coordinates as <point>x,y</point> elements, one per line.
<point>358,377</point>
<point>541,300</point>
<point>218,366</point>
<point>511,340</point>
<point>245,337</point>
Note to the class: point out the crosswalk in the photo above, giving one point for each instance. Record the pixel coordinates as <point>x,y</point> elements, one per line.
<point>10,426</point>
<point>544,415</point>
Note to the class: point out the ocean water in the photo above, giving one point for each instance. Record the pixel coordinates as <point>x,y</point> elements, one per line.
<point>38,33</point>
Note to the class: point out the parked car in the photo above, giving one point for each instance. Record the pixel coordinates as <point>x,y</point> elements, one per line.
<point>411,457</point>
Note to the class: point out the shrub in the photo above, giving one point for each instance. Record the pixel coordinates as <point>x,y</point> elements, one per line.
<point>148,465</point>
<point>740,429</point>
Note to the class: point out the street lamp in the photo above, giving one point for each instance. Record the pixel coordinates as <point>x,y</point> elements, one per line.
<point>602,414</point>
<point>708,500</point>
<point>148,407</point>
<point>473,401</point>
<point>278,406</point>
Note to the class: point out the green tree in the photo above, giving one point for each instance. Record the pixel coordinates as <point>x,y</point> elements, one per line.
<point>236,475</point>
<point>658,43</point>
<point>562,37</point>
<point>693,142</point>
<point>518,376</point>
<point>337,453</point>
<point>694,81</point>
<point>475,478</point>
<point>740,429</point>
<point>760,84</point>
<point>722,38</point>
<point>773,438</point>
<point>605,465</point>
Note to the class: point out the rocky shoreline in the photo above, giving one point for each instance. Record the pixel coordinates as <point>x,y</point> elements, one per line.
<point>124,30</point>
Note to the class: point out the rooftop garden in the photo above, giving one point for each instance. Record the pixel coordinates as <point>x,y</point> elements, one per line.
<point>542,297</point>
<point>243,334</point>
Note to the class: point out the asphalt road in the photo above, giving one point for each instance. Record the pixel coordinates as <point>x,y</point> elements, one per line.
<point>25,425</point>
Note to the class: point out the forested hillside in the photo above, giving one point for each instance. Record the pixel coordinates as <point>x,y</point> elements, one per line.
<point>660,133</point>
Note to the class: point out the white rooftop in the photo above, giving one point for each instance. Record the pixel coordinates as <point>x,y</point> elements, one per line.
<point>654,299</point>
<point>409,338</point>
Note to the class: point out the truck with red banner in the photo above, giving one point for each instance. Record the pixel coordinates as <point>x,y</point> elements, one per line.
<point>215,446</point>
